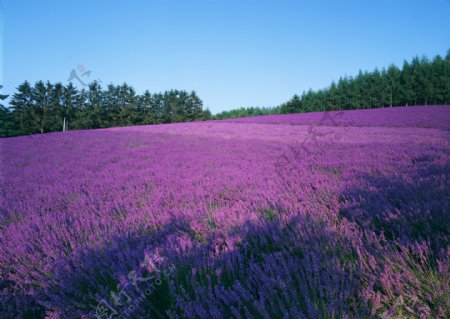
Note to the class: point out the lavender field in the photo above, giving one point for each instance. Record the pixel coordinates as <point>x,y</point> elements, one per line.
<point>320,215</point>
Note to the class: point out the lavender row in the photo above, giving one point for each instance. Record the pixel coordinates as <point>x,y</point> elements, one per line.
<point>227,220</point>
<point>413,116</point>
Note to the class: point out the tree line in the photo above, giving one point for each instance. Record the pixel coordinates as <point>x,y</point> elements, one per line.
<point>246,112</point>
<point>44,106</point>
<point>419,82</point>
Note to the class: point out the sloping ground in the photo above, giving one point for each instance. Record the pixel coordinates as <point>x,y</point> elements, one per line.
<point>406,116</point>
<point>230,219</point>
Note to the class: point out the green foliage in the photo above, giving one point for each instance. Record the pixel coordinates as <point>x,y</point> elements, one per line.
<point>294,105</point>
<point>43,107</point>
<point>421,82</point>
<point>7,127</point>
<point>245,112</point>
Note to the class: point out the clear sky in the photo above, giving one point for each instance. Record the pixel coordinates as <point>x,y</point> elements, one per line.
<point>233,53</point>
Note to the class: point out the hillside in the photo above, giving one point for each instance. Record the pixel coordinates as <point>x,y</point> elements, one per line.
<point>281,216</point>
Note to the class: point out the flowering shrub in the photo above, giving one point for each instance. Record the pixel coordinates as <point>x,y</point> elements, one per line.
<point>248,218</point>
<point>412,116</point>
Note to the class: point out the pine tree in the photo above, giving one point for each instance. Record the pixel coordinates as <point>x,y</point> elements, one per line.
<point>127,105</point>
<point>71,101</point>
<point>393,75</point>
<point>22,104</point>
<point>40,113</point>
<point>7,127</point>
<point>56,112</point>
<point>144,108</point>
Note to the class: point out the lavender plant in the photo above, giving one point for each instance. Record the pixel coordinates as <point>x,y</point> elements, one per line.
<point>249,223</point>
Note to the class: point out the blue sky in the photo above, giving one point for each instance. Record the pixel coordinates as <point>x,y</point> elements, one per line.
<point>232,53</point>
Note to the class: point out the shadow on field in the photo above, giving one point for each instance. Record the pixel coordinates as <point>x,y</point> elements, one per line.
<point>301,268</point>
<point>412,206</point>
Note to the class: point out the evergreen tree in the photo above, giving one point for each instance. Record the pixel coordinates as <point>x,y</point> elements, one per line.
<point>57,108</point>
<point>144,107</point>
<point>43,107</point>
<point>127,101</point>
<point>72,102</point>
<point>22,106</point>
<point>194,108</point>
<point>7,127</point>
<point>294,105</point>
<point>40,113</point>
<point>392,76</point>
<point>93,113</point>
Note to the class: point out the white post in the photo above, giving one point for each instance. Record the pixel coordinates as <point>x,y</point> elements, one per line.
<point>64,125</point>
